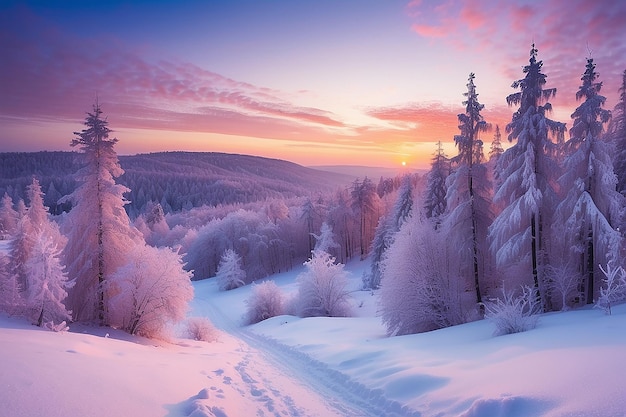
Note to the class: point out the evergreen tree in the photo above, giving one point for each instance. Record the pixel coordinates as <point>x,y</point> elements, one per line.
<point>229,273</point>
<point>8,217</point>
<point>468,190</point>
<point>100,236</point>
<point>435,201</point>
<point>496,145</point>
<point>587,217</point>
<point>365,202</point>
<point>388,226</point>
<point>616,133</point>
<point>527,172</point>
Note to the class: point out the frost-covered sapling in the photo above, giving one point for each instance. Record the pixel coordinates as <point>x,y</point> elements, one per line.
<point>265,301</point>
<point>563,281</point>
<point>511,314</point>
<point>614,289</point>
<point>230,275</point>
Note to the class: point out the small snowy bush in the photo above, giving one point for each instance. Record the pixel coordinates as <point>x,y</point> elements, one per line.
<point>201,329</point>
<point>512,314</point>
<point>614,289</point>
<point>266,301</point>
<point>323,288</point>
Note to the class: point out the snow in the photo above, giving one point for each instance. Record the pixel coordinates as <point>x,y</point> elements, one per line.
<point>572,364</point>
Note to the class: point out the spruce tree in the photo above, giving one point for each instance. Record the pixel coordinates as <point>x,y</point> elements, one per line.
<point>588,215</point>
<point>99,232</point>
<point>616,133</point>
<point>527,174</point>
<point>468,190</point>
<point>435,199</point>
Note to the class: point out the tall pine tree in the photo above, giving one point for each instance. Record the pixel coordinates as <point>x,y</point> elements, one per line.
<point>435,199</point>
<point>527,174</point>
<point>587,217</point>
<point>99,232</point>
<point>468,191</point>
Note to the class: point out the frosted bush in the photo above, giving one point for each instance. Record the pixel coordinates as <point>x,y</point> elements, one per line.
<point>201,329</point>
<point>265,301</point>
<point>323,288</point>
<point>512,314</point>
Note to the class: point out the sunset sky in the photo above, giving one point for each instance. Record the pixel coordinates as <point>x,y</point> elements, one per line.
<point>351,82</point>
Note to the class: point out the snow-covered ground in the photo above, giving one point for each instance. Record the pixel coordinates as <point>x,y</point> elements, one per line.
<point>572,364</point>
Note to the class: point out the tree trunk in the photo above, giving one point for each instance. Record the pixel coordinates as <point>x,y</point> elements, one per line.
<point>590,267</point>
<point>533,253</point>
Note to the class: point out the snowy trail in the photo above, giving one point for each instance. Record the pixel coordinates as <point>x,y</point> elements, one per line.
<point>337,393</point>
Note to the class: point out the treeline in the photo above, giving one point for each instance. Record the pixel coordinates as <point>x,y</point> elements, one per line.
<point>176,180</point>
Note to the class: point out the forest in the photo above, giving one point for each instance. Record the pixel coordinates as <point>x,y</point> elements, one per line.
<point>534,228</point>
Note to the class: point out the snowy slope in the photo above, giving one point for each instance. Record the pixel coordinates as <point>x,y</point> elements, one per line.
<point>573,364</point>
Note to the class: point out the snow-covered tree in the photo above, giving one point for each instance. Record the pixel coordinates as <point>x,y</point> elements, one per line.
<point>325,241</point>
<point>100,236</point>
<point>8,217</point>
<point>614,288</point>
<point>365,202</point>
<point>11,299</point>
<point>527,176</point>
<point>417,293</point>
<point>149,292</point>
<point>47,282</point>
<point>496,145</point>
<point>388,226</point>
<point>587,218</point>
<point>323,288</point>
<point>616,133</point>
<point>229,273</point>
<point>435,199</point>
<point>467,195</point>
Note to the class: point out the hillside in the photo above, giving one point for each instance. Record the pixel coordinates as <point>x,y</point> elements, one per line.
<point>177,180</point>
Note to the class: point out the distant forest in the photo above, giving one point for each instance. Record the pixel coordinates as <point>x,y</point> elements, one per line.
<point>176,180</point>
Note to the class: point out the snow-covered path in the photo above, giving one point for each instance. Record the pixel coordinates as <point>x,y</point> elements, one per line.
<point>297,385</point>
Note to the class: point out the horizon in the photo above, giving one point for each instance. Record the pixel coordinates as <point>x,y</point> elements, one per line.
<point>356,84</point>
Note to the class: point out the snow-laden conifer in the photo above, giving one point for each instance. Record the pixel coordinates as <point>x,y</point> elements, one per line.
<point>100,236</point>
<point>527,174</point>
<point>468,194</point>
<point>229,273</point>
<point>435,195</point>
<point>616,133</point>
<point>8,217</point>
<point>587,217</point>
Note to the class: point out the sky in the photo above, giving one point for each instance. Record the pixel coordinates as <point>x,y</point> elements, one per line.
<point>324,82</point>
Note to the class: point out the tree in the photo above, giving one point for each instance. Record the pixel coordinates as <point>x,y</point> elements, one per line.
<point>467,196</point>
<point>229,273</point>
<point>496,145</point>
<point>365,202</point>
<point>100,236</point>
<point>149,292</point>
<point>588,215</point>
<point>435,200</point>
<point>47,282</point>
<point>8,217</point>
<point>616,133</point>
<point>527,171</point>
<point>325,241</point>
<point>388,226</point>
<point>323,288</point>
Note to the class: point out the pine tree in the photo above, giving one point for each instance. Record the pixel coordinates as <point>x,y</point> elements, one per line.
<point>496,145</point>
<point>468,189</point>
<point>8,217</point>
<point>100,236</point>
<point>527,171</point>
<point>435,200</point>
<point>616,133</point>
<point>588,215</point>
<point>229,273</point>
<point>365,202</point>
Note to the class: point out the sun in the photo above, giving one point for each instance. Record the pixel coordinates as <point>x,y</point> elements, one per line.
<point>403,163</point>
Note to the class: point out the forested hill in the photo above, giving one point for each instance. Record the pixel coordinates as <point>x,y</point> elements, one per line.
<point>177,180</point>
